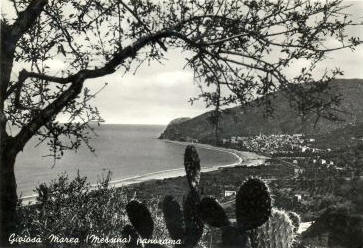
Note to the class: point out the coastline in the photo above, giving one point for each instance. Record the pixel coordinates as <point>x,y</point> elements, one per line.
<point>243,158</point>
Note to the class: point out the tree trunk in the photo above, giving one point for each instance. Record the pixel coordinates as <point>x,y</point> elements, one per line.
<point>8,195</point>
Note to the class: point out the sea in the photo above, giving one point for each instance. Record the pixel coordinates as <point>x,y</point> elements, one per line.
<point>126,151</point>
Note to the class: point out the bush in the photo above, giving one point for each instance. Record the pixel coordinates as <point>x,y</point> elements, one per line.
<point>73,208</point>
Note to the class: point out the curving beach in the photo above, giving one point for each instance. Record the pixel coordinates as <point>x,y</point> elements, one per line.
<point>242,158</point>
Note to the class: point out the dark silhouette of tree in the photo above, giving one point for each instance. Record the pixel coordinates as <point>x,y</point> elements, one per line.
<point>243,46</point>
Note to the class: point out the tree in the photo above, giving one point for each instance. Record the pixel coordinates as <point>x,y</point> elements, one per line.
<point>228,45</point>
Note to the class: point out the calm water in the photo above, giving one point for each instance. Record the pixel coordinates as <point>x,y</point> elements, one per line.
<point>125,150</point>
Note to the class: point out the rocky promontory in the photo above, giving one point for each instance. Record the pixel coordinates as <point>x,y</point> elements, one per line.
<point>250,120</point>
<point>172,129</point>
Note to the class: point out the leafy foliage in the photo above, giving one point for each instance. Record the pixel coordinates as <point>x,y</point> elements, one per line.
<point>73,208</point>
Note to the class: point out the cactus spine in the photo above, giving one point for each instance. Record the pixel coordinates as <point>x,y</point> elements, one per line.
<point>277,232</point>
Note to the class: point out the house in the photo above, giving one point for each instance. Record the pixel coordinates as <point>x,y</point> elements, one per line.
<point>229,193</point>
<point>323,161</point>
<point>297,135</point>
<point>234,140</point>
<point>298,197</point>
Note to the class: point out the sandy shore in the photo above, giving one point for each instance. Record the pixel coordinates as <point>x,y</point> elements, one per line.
<point>242,157</point>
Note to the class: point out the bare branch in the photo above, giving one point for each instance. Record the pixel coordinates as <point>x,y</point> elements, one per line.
<point>45,115</point>
<point>27,18</point>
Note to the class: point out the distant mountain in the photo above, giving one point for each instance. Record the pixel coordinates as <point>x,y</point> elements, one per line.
<point>250,120</point>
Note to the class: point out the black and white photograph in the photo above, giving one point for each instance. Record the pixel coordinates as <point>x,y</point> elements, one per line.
<point>181,123</point>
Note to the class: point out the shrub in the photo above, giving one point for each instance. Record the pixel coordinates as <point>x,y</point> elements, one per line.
<point>73,208</point>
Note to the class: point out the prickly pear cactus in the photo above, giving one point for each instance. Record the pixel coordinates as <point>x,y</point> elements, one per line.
<point>253,208</point>
<point>185,225</point>
<point>277,232</point>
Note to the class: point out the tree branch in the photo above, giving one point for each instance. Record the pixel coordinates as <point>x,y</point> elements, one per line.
<point>45,115</point>
<point>142,23</point>
<point>27,18</point>
<point>10,34</point>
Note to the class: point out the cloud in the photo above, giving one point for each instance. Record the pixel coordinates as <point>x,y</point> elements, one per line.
<point>154,98</point>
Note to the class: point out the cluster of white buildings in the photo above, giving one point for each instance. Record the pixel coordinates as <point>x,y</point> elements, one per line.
<point>282,143</point>
<point>268,143</point>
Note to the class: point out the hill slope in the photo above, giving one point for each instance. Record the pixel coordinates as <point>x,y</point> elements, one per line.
<point>250,120</point>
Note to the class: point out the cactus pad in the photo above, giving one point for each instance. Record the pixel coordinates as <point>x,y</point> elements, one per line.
<point>140,218</point>
<point>213,213</point>
<point>173,218</point>
<point>192,167</point>
<point>253,204</point>
<point>232,237</point>
<point>130,233</point>
<point>193,222</point>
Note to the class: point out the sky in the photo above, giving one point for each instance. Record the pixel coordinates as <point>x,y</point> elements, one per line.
<point>157,94</point>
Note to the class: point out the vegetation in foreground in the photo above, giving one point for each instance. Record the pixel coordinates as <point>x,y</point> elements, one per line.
<point>70,209</point>
<point>327,197</point>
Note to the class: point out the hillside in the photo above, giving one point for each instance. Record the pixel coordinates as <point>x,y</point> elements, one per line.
<point>343,230</point>
<point>250,120</point>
